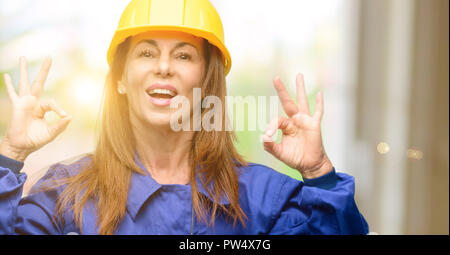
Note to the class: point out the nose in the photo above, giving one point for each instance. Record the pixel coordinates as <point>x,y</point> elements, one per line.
<point>163,67</point>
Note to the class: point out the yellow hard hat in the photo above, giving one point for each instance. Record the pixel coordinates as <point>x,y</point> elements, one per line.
<point>196,17</point>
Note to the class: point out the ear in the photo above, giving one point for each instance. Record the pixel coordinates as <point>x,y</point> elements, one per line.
<point>121,87</point>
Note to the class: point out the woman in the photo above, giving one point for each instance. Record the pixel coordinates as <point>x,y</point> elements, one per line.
<point>146,178</point>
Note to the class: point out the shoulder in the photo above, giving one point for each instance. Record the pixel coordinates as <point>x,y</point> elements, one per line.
<point>60,170</point>
<point>261,179</point>
<point>71,166</point>
<point>260,172</point>
<point>262,192</point>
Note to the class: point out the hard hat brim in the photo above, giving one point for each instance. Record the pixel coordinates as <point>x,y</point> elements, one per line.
<point>121,34</point>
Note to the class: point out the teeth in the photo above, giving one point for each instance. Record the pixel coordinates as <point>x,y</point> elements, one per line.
<point>162,91</point>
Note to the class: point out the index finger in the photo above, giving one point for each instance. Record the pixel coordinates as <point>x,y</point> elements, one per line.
<point>38,84</point>
<point>288,105</point>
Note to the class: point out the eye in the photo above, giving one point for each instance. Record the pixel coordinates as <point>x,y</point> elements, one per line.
<point>184,56</point>
<point>146,53</point>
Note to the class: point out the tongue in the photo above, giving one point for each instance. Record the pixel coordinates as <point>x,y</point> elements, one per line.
<point>165,96</point>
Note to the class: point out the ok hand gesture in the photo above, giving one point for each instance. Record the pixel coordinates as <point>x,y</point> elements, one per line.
<point>28,130</point>
<point>301,146</point>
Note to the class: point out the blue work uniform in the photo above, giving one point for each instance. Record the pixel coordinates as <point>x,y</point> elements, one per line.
<point>274,203</point>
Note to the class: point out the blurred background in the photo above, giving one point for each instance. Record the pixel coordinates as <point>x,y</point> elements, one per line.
<point>381,64</point>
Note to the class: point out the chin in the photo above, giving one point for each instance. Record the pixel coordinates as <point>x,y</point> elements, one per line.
<point>158,119</point>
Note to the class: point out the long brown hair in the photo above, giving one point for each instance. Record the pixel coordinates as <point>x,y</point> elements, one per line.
<point>106,179</point>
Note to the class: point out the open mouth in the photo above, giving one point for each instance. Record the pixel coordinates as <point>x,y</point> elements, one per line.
<point>161,93</point>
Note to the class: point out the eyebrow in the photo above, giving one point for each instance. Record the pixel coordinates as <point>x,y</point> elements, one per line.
<point>179,45</point>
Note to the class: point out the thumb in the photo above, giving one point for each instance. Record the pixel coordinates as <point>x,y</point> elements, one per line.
<point>270,146</point>
<point>60,126</point>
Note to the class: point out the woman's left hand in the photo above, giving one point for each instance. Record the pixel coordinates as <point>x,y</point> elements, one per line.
<point>301,146</point>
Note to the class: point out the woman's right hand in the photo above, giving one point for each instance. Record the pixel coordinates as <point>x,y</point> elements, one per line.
<point>28,130</point>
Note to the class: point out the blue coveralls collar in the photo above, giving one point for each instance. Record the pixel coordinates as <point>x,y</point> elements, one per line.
<point>142,187</point>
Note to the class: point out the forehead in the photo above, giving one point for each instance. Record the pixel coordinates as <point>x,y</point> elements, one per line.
<point>167,36</point>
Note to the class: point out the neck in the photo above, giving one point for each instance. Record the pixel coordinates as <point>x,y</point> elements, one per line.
<point>164,153</point>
